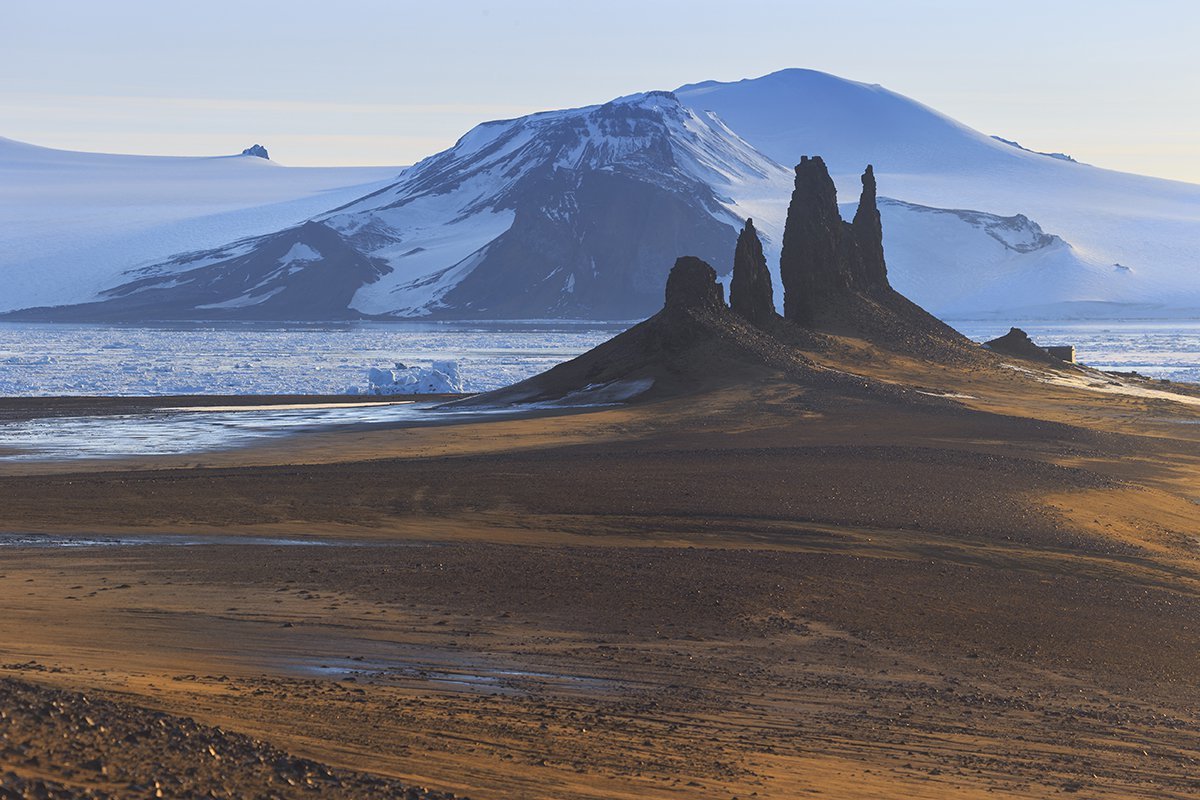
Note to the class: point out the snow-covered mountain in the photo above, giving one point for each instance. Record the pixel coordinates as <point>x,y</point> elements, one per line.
<point>579,214</point>
<point>71,224</point>
<point>576,213</point>
<point>1129,240</point>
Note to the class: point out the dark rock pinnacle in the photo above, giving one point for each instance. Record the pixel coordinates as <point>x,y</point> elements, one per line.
<point>750,292</point>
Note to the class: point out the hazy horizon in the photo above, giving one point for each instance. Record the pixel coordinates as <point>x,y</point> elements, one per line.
<point>390,83</point>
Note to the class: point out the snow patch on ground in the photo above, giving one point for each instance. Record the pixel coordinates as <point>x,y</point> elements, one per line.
<point>299,252</point>
<point>1095,381</point>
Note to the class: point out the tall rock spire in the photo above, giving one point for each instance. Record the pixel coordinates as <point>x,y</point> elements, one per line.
<point>868,234</point>
<point>808,264</point>
<point>825,259</point>
<point>750,292</point>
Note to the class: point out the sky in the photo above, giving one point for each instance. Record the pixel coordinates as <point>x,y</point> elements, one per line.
<point>361,82</point>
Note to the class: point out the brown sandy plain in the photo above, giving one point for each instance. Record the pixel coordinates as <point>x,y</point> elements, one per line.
<point>986,584</point>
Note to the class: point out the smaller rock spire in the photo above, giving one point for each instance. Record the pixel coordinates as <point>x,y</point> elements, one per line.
<point>750,292</point>
<point>868,234</point>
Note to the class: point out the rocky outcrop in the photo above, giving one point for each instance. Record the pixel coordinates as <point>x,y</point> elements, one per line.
<point>256,150</point>
<point>693,284</point>
<point>309,272</point>
<point>835,280</point>
<point>695,342</point>
<point>1017,343</point>
<point>825,258</point>
<point>868,235</point>
<point>808,262</point>
<point>750,292</point>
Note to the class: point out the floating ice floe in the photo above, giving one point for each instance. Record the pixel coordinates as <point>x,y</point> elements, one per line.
<point>441,378</point>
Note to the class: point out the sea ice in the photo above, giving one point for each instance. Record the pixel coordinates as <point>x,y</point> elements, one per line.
<point>440,378</point>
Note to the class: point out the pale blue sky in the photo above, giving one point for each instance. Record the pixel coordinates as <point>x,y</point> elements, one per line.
<point>373,82</point>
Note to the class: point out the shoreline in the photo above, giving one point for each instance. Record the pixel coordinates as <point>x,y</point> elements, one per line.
<point>15,408</point>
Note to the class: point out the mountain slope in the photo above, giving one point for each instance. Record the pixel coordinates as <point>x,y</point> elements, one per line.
<point>1134,239</point>
<point>304,273</point>
<point>71,223</point>
<point>574,213</point>
<point>597,202</point>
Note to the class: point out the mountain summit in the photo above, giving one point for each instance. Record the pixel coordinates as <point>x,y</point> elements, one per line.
<point>561,214</point>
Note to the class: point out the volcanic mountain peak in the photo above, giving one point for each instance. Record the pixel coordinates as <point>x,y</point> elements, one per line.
<point>650,134</point>
<point>565,213</point>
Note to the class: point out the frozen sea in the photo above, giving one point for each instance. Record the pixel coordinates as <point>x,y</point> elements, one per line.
<point>1157,348</point>
<point>230,358</point>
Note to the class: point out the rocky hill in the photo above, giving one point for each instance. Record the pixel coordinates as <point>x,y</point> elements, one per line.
<point>835,281</point>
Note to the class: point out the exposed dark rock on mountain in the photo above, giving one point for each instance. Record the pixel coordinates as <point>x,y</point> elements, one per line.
<point>603,254</point>
<point>256,150</point>
<point>304,273</point>
<point>1019,146</point>
<point>835,278</point>
<point>750,292</point>
<point>1017,343</point>
<point>1018,233</point>
<point>693,284</point>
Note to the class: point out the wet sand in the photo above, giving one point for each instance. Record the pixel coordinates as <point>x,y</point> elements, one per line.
<point>755,591</point>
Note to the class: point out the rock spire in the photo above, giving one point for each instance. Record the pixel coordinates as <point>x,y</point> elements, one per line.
<point>750,292</point>
<point>868,234</point>
<point>693,284</point>
<point>824,257</point>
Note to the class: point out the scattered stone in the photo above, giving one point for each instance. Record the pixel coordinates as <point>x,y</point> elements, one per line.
<point>155,755</point>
